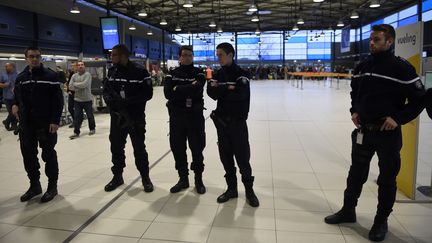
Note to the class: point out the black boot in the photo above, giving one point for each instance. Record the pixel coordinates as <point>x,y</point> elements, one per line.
<point>231,192</point>
<point>35,189</point>
<point>50,193</point>
<point>227,195</point>
<point>378,232</point>
<point>345,215</point>
<point>199,184</point>
<point>148,185</point>
<point>251,198</point>
<point>116,181</point>
<point>183,183</point>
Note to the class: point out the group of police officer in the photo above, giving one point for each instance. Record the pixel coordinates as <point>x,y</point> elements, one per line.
<point>386,93</point>
<point>127,88</point>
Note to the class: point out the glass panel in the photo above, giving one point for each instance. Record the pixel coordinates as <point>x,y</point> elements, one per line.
<point>427,5</point>
<point>408,21</point>
<point>427,16</point>
<point>391,19</point>
<point>408,12</point>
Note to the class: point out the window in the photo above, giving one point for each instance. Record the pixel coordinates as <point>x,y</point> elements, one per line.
<point>380,21</point>
<point>366,28</point>
<point>408,21</point>
<point>391,19</point>
<point>427,5</point>
<point>427,16</point>
<point>408,12</point>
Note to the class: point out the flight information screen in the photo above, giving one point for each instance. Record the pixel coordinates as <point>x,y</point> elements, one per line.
<point>110,32</point>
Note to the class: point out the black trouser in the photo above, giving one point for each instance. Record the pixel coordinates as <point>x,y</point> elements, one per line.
<point>79,116</point>
<point>71,106</point>
<point>10,119</point>
<point>233,141</point>
<point>117,138</point>
<point>387,145</point>
<point>187,127</point>
<point>32,133</point>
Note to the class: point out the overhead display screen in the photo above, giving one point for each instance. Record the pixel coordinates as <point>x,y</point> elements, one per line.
<point>110,32</point>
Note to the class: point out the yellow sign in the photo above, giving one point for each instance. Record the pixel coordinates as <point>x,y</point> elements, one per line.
<point>409,45</point>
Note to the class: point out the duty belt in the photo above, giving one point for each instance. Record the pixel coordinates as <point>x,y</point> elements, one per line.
<point>371,127</point>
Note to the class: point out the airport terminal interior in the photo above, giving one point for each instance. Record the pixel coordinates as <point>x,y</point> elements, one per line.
<point>300,56</point>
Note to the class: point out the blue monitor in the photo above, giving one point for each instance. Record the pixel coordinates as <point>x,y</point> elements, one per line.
<point>110,32</point>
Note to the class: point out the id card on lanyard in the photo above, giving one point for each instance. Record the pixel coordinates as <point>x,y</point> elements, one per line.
<point>359,139</point>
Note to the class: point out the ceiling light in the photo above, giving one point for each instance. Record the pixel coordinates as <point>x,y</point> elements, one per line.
<point>340,24</point>
<point>142,13</point>
<point>219,30</point>
<point>255,18</point>
<point>189,32</point>
<point>295,28</point>
<point>163,22</point>
<point>132,27</point>
<point>322,33</point>
<point>212,24</point>
<point>173,40</point>
<point>253,8</point>
<point>318,1</point>
<point>75,9</point>
<point>188,4</point>
<point>178,28</point>
<point>300,21</point>
<point>149,32</point>
<point>374,4</point>
<point>354,15</point>
<point>257,31</point>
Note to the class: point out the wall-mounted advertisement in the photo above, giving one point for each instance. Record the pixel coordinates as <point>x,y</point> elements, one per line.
<point>345,40</point>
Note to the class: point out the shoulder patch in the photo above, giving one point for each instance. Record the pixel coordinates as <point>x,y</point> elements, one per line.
<point>243,79</point>
<point>419,85</point>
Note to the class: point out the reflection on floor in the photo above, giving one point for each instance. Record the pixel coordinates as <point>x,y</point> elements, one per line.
<point>300,143</point>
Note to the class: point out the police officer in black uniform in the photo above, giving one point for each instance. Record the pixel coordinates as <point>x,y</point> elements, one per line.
<point>184,90</point>
<point>381,85</point>
<point>230,87</point>
<point>38,106</point>
<point>126,92</point>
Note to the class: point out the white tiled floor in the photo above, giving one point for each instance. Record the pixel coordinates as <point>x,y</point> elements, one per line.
<point>300,142</point>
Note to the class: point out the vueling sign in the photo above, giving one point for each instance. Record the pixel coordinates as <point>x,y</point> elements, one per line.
<point>407,39</point>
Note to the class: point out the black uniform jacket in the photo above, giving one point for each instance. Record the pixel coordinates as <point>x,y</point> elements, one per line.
<point>128,87</point>
<point>180,91</point>
<point>231,103</point>
<point>39,96</point>
<point>385,85</point>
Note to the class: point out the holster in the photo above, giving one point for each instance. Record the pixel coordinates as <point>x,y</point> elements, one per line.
<point>217,119</point>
